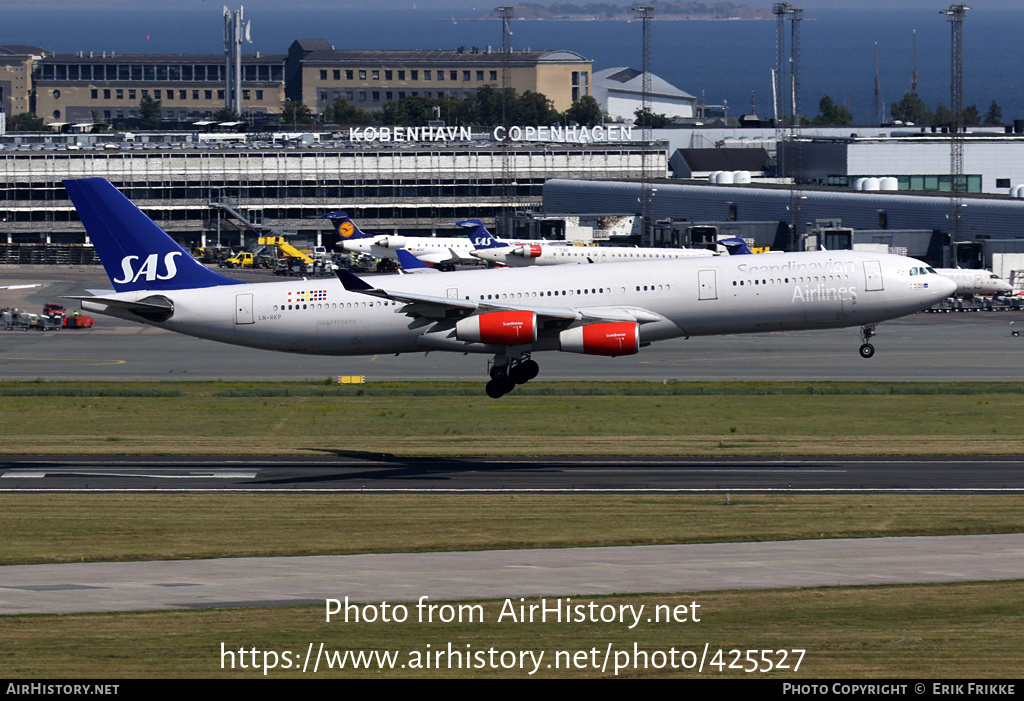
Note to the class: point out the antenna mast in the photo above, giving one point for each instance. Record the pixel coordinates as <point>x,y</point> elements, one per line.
<point>646,14</point>
<point>955,16</point>
<point>508,199</point>
<point>913,76</point>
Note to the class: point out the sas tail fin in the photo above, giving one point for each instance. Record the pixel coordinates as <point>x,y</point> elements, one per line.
<point>136,253</point>
<point>345,227</point>
<point>479,235</point>
<point>735,245</point>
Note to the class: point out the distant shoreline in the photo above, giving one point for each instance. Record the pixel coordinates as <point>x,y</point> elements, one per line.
<point>607,19</point>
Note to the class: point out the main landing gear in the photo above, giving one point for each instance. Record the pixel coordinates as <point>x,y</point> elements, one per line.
<point>866,333</point>
<point>506,373</point>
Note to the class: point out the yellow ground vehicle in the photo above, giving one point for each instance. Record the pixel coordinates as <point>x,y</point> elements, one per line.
<point>284,248</point>
<point>245,259</point>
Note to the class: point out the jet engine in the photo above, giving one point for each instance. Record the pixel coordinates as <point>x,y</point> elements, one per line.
<point>504,328</point>
<point>392,242</point>
<point>527,251</point>
<point>619,338</point>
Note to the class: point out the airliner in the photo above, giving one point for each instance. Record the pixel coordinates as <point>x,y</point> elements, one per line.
<point>536,253</point>
<point>971,282</point>
<point>509,314</point>
<point>436,250</point>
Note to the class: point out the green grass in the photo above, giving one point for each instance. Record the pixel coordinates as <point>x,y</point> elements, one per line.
<point>96,527</point>
<point>742,418</point>
<point>954,631</point>
<point>935,631</point>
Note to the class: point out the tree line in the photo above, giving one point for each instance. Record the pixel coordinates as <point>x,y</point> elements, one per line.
<point>910,109</point>
<point>481,108</point>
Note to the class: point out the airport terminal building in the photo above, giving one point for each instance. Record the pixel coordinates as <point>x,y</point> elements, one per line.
<point>205,193</point>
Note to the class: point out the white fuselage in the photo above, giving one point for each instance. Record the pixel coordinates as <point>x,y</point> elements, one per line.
<point>525,254</point>
<point>976,282</point>
<point>429,249</point>
<point>689,297</point>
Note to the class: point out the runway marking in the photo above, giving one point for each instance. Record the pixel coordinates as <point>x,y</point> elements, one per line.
<point>37,474</point>
<point>538,490</point>
<point>81,361</point>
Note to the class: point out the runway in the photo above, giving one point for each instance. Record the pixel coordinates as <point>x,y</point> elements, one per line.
<point>366,473</point>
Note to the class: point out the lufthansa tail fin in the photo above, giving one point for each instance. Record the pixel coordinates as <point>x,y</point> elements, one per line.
<point>479,235</point>
<point>136,253</point>
<point>345,227</point>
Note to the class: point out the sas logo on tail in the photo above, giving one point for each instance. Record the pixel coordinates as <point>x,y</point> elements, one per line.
<point>148,268</point>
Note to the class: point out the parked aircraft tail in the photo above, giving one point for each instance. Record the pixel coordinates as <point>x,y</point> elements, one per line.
<point>411,264</point>
<point>136,253</point>
<point>345,227</point>
<point>479,235</point>
<point>735,245</point>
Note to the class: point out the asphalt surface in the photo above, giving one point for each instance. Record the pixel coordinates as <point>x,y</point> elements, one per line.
<point>355,472</point>
<point>575,572</point>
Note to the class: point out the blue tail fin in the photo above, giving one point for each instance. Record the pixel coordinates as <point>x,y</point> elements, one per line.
<point>735,245</point>
<point>412,264</point>
<point>136,253</point>
<point>479,235</point>
<point>345,227</point>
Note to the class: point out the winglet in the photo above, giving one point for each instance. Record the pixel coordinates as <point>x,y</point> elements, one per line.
<point>412,264</point>
<point>735,245</point>
<point>353,283</point>
<point>345,227</point>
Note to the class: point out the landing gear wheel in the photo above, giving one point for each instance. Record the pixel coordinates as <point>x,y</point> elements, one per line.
<point>867,350</point>
<point>517,375</point>
<point>499,372</point>
<point>499,388</point>
<point>530,369</point>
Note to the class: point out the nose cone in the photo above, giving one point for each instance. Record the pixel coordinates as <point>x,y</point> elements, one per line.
<point>944,287</point>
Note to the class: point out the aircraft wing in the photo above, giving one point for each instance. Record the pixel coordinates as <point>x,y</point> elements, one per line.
<point>433,308</point>
<point>438,257</point>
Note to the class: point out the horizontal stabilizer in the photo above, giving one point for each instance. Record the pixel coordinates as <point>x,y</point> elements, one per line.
<point>154,307</point>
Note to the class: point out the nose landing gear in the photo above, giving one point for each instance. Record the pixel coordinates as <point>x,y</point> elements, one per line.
<point>506,375</point>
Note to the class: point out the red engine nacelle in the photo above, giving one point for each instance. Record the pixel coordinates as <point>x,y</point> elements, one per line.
<point>503,328</point>
<point>528,251</point>
<point>620,338</point>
